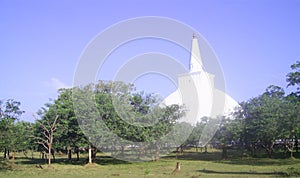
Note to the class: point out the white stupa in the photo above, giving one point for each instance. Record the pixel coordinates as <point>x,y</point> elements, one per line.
<point>196,91</point>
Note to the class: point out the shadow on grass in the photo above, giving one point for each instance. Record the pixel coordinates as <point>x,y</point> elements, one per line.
<point>209,156</point>
<point>107,160</point>
<point>235,159</point>
<point>45,161</point>
<point>216,156</point>
<point>260,162</point>
<point>101,160</point>
<point>242,172</point>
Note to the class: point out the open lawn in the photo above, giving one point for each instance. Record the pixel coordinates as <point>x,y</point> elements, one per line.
<point>192,165</point>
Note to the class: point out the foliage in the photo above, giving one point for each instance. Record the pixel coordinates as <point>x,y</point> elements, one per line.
<point>97,113</point>
<point>13,134</point>
<point>113,114</point>
<point>293,78</point>
<point>262,120</point>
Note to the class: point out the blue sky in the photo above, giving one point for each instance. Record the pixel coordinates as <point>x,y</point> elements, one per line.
<point>41,41</point>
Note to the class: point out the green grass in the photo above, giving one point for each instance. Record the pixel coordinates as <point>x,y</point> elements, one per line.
<point>192,165</point>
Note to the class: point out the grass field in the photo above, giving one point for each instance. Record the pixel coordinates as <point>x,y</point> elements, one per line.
<point>192,165</point>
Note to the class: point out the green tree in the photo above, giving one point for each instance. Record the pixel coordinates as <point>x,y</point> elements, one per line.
<point>195,135</point>
<point>293,99</point>
<point>289,125</point>
<point>20,136</point>
<point>110,109</point>
<point>293,78</point>
<point>68,132</point>
<point>9,113</point>
<point>261,117</point>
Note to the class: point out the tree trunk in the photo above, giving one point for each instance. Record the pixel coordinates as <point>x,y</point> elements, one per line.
<point>77,153</point>
<point>69,153</point>
<point>290,148</point>
<point>31,153</point>
<point>242,151</point>
<point>25,154</point>
<point>14,155</point>
<point>177,151</point>
<point>94,152</point>
<point>49,154</point>
<point>42,155</point>
<point>122,150</point>
<point>224,152</point>
<point>90,155</point>
<point>269,149</point>
<point>53,154</point>
<point>157,151</point>
<point>253,150</point>
<point>5,154</point>
<point>181,149</point>
<point>296,143</point>
<point>270,152</point>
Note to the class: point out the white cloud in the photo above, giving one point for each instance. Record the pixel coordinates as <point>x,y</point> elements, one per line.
<point>55,84</point>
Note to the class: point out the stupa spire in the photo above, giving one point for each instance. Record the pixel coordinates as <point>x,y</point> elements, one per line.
<point>195,60</point>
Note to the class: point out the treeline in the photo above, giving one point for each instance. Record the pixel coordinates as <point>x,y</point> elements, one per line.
<point>269,122</point>
<point>71,124</point>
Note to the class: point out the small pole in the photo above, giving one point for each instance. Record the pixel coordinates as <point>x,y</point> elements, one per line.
<point>90,153</point>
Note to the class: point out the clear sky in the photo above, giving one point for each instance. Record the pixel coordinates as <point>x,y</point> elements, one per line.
<point>256,41</point>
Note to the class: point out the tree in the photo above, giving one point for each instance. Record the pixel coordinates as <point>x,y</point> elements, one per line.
<point>46,139</point>
<point>293,78</point>
<point>270,116</point>
<point>113,115</point>
<point>88,118</point>
<point>69,133</point>
<point>261,117</point>
<point>293,99</point>
<point>9,113</point>
<point>195,135</point>
<point>289,125</point>
<point>20,137</point>
<point>225,134</point>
